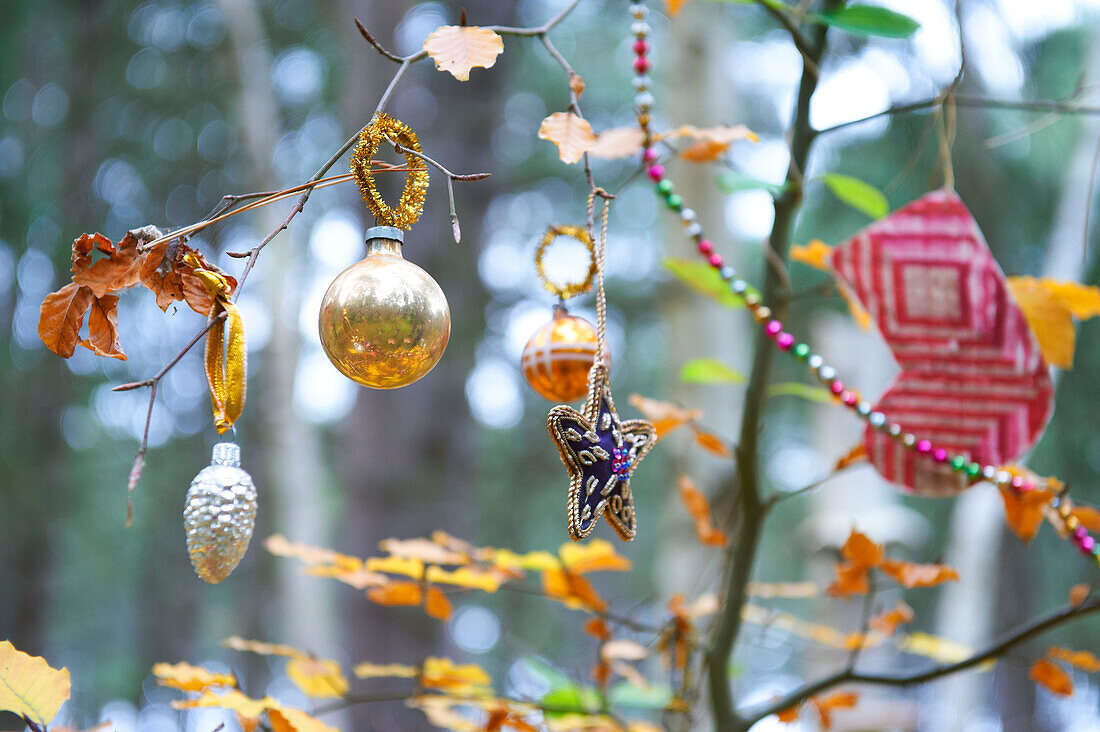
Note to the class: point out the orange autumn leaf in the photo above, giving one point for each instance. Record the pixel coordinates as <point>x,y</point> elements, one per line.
<point>839,700</point>
<point>699,509</point>
<point>851,579</point>
<point>910,574</point>
<point>1024,512</point>
<point>674,6</point>
<point>164,271</point>
<point>457,49</point>
<point>815,254</point>
<point>857,454</point>
<point>437,605</point>
<point>62,317</point>
<point>1052,677</point>
<point>1088,516</point>
<point>246,707</point>
<point>287,719</point>
<point>425,550</point>
<point>396,594</point>
<point>185,677</point>
<point>597,555</point>
<point>712,443</point>
<point>572,134</point>
<point>30,687</point>
<point>443,673</point>
<point>855,308</point>
<point>1050,308</point>
<point>704,151</point>
<point>597,628</point>
<point>860,551</point>
<point>1084,660</point>
<point>665,416</point>
<point>1078,594</point>
<point>790,714</point>
<point>618,142</point>
<point>889,621</point>
<point>572,589</point>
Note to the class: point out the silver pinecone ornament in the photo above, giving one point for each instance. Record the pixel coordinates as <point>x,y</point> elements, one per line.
<point>219,514</point>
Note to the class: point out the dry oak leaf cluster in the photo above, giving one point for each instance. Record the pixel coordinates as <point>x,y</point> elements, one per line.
<point>100,269</point>
<point>861,555</point>
<point>457,49</point>
<point>29,687</point>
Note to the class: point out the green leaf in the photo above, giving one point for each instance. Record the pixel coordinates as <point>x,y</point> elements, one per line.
<point>571,699</point>
<point>857,194</point>
<point>709,371</point>
<point>735,182</point>
<point>868,20</point>
<point>705,280</point>
<point>654,696</point>
<point>800,390</point>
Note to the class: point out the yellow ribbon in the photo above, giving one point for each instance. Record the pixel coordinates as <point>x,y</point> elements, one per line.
<point>226,363</point>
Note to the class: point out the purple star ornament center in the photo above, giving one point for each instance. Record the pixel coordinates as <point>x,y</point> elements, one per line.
<point>600,452</point>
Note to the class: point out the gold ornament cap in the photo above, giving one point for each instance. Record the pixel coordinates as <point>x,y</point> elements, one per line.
<point>384,322</point>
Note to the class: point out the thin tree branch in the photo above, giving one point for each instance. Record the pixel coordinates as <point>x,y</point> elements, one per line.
<point>377,46</point>
<point>1008,641</point>
<point>800,40</point>
<point>752,510</point>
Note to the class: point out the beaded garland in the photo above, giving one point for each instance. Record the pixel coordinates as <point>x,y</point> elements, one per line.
<point>411,205</point>
<point>972,472</point>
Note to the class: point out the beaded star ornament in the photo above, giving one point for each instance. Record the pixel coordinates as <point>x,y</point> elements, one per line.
<point>599,450</point>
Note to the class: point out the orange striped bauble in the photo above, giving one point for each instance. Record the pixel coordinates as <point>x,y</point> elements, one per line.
<point>557,359</point>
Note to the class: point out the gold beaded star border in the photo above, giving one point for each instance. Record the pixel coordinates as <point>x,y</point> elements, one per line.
<point>600,452</point>
<point>411,205</point>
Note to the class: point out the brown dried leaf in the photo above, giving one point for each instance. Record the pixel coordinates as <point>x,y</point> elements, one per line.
<point>457,49</point>
<point>1051,676</point>
<point>674,6</point>
<point>790,714</point>
<point>1078,594</point>
<point>116,270</point>
<point>618,142</point>
<point>851,579</point>
<point>103,328</point>
<point>62,317</point>
<point>572,134</point>
<point>597,628</point>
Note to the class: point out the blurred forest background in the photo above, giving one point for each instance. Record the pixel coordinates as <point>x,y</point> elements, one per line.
<point>115,115</point>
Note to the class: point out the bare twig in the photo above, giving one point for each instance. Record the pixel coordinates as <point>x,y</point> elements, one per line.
<point>1008,641</point>
<point>377,46</point>
<point>800,41</point>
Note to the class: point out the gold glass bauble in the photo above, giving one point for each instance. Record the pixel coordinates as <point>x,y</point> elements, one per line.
<point>557,359</point>
<point>384,322</point>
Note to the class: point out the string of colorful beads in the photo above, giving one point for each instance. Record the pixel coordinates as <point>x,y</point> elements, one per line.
<point>972,471</point>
